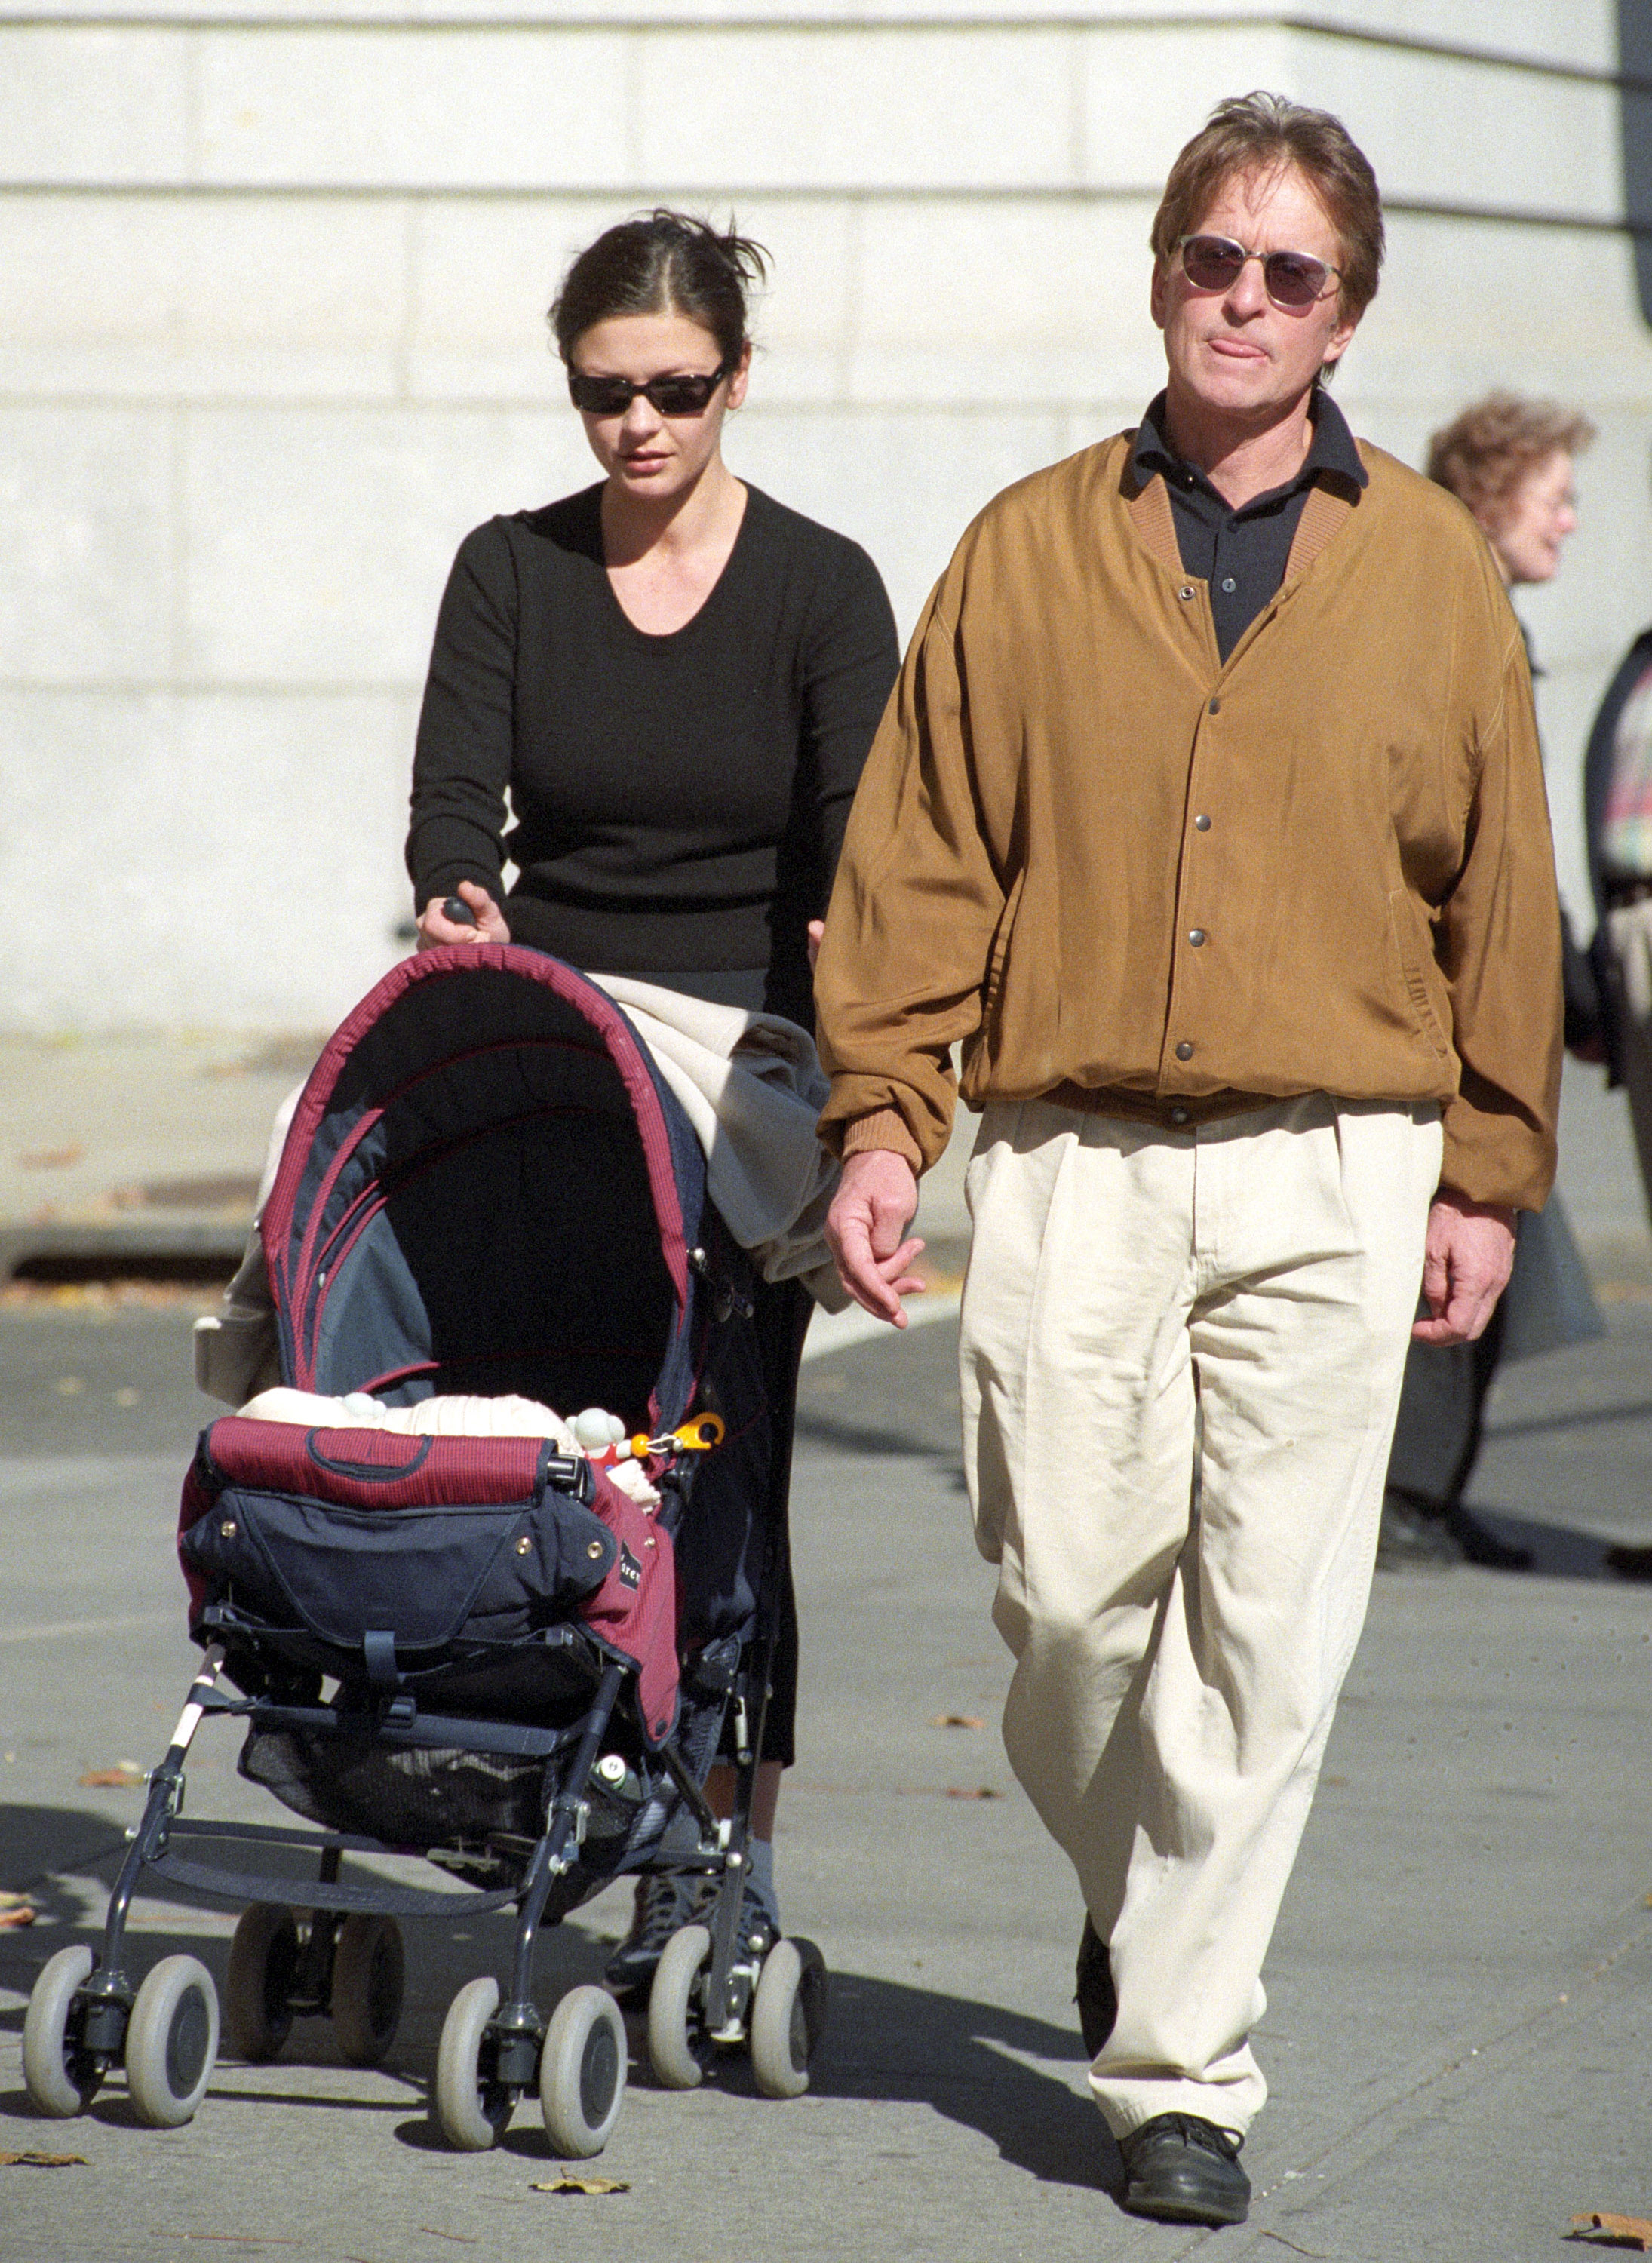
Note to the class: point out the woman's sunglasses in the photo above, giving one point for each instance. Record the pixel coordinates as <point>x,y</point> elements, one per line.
<point>670,396</point>
<point>1293,279</point>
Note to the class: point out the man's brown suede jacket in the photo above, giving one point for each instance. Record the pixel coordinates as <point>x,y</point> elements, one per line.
<point>1129,877</point>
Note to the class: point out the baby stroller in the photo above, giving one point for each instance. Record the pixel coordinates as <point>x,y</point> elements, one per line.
<point>476,1650</point>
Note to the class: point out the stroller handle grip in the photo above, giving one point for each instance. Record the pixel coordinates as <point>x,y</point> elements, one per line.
<point>459,911</point>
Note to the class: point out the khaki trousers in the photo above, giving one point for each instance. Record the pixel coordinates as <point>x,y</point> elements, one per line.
<point>1178,1666</point>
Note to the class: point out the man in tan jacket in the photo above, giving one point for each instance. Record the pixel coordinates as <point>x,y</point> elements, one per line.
<point>1207,819</point>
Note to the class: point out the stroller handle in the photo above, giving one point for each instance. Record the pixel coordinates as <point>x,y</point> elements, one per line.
<point>459,911</point>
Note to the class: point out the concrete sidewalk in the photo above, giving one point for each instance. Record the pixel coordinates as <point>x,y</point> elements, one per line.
<point>1460,1990</point>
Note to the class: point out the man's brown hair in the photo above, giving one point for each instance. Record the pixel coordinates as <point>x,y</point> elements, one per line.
<point>1483,455</point>
<point>1263,133</point>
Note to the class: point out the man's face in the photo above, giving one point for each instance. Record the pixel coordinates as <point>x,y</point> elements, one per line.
<point>1233,353</point>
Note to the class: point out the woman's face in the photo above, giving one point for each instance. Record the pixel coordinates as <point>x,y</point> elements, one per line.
<point>646,455</point>
<point>1536,520</point>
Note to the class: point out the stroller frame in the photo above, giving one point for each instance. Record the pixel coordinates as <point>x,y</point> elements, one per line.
<point>86,2013</point>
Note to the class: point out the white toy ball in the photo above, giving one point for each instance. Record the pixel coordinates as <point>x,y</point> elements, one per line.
<point>595,1427</point>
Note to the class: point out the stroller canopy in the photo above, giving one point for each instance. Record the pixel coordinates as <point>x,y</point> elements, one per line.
<point>487,1188</point>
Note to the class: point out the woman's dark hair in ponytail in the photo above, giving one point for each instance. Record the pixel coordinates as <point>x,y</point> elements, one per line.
<point>662,262</point>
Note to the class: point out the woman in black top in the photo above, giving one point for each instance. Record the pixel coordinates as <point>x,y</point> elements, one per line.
<point>665,686</point>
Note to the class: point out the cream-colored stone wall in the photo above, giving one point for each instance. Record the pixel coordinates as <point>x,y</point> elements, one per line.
<point>272,339</point>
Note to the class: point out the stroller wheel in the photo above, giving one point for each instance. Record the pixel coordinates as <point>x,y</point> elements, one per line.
<point>60,2075</point>
<point>678,2048</point>
<point>172,2041</point>
<point>258,1986</point>
<point>466,2105</point>
<point>788,2018</point>
<point>367,1974</point>
<point>583,2072</point>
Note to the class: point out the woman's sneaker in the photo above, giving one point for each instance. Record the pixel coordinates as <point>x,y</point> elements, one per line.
<point>666,1900</point>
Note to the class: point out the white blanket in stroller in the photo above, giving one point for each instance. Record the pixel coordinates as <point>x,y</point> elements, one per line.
<point>453,1415</point>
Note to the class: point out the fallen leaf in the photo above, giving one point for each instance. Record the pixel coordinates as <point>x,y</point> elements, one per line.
<point>15,1910</point>
<point>43,2161</point>
<point>981,1792</point>
<point>51,1159</point>
<point>957,1721</point>
<point>1614,2230</point>
<point>122,1777</point>
<point>580,2185</point>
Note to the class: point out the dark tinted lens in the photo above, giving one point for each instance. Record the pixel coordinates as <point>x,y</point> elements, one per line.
<point>1211,261</point>
<point>682,396</point>
<point>599,397</point>
<point>1294,278</point>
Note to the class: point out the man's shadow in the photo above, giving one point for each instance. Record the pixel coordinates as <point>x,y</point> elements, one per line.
<point>968,2060</point>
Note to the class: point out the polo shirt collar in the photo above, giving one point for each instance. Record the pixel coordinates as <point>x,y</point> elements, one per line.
<point>1331,450</point>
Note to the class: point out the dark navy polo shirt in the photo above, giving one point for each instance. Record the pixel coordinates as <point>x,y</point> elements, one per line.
<point>1242,554</point>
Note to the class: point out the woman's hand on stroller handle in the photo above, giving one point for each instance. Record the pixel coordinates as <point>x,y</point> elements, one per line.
<point>866,1231</point>
<point>483,921</point>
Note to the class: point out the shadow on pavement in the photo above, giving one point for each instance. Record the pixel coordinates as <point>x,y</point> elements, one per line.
<point>967,2060</point>
<point>35,1843</point>
<point>888,2041</point>
<point>1560,1551</point>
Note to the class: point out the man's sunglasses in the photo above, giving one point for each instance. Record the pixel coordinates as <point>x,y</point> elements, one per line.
<point>1292,279</point>
<point>670,396</point>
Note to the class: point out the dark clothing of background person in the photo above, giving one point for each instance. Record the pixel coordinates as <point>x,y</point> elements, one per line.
<point>677,803</point>
<point>1597,766</point>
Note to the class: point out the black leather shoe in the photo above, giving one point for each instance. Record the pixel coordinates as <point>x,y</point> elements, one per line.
<point>1181,2169</point>
<point>1098,2004</point>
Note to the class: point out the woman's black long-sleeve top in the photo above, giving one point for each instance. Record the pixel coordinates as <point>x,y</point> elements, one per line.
<point>679,801</point>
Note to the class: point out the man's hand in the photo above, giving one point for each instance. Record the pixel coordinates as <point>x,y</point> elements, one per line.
<point>816,935</point>
<point>435,928</point>
<point>871,1211</point>
<point>1470,1251</point>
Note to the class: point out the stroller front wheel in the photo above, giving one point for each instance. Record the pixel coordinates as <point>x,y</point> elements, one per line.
<point>60,2075</point>
<point>468,2107</point>
<point>172,2042</point>
<point>677,2047</point>
<point>788,2017</point>
<point>583,2072</point>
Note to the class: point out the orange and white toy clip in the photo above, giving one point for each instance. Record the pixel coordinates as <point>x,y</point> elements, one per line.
<point>602,1437</point>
